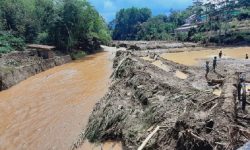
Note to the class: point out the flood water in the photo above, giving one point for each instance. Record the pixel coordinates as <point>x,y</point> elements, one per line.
<point>191,58</point>
<point>48,110</point>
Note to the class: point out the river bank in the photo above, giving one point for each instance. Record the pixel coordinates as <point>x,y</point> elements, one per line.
<point>20,65</point>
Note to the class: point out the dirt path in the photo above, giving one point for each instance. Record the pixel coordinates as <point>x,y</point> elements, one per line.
<point>48,110</point>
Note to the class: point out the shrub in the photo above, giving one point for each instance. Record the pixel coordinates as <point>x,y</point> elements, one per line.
<point>182,36</point>
<point>232,38</point>
<point>78,54</point>
<point>42,38</point>
<point>198,37</point>
<point>5,49</point>
<point>8,43</point>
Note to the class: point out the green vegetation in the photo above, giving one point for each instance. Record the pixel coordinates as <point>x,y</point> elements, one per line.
<point>73,25</point>
<point>8,43</point>
<point>206,23</point>
<point>77,55</point>
<point>156,28</point>
<point>68,24</point>
<point>128,21</point>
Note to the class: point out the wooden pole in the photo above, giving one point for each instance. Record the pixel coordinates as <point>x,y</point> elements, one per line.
<point>148,138</point>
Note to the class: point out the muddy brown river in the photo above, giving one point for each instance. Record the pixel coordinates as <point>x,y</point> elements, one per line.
<point>48,110</point>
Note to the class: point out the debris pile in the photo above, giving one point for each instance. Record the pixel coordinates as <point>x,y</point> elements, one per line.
<point>144,98</point>
<point>147,45</point>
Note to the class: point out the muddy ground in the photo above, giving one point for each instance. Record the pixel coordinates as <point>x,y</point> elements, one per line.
<point>190,112</point>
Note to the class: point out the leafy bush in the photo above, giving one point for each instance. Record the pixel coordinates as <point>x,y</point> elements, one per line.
<point>182,36</point>
<point>198,37</point>
<point>78,54</point>
<point>5,49</point>
<point>8,43</point>
<point>42,38</point>
<point>232,38</point>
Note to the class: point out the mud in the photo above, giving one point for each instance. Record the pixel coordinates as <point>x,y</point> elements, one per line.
<point>191,111</point>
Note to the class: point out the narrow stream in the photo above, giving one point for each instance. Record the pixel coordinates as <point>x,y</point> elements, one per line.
<point>48,110</point>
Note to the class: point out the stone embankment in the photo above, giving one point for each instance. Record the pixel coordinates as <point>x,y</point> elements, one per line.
<point>18,66</point>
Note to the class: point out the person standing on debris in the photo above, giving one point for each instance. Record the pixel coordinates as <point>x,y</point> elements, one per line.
<point>207,69</point>
<point>246,56</point>
<point>214,63</point>
<point>220,54</point>
<point>239,86</point>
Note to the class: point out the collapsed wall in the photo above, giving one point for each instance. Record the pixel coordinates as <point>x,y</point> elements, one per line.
<point>143,97</point>
<point>18,66</point>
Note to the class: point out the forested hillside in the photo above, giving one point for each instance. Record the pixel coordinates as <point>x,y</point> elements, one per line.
<point>67,24</point>
<point>224,22</point>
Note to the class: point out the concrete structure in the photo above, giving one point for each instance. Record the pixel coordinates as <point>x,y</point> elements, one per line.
<point>43,51</point>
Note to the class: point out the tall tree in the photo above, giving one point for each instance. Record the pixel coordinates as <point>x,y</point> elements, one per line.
<point>78,26</point>
<point>156,28</point>
<point>127,22</point>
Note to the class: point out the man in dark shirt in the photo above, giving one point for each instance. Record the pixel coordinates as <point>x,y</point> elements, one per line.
<point>220,54</point>
<point>246,56</point>
<point>214,63</point>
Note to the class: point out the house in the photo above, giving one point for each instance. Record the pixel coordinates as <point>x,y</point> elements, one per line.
<point>219,3</point>
<point>189,24</point>
<point>44,51</point>
<point>185,28</point>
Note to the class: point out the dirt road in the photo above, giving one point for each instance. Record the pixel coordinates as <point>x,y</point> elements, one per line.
<point>48,110</point>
